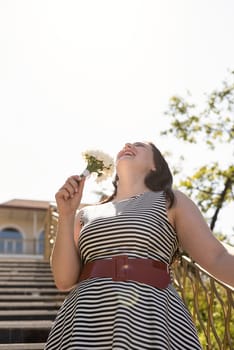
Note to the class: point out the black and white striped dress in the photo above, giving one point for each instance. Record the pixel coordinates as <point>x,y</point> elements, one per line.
<point>103,314</point>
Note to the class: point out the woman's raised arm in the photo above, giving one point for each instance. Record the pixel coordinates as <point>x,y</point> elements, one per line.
<point>65,257</point>
<point>198,241</point>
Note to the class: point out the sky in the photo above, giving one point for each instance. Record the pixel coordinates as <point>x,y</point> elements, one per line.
<point>95,74</point>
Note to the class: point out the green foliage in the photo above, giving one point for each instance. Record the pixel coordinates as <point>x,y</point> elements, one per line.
<point>212,188</point>
<point>213,123</point>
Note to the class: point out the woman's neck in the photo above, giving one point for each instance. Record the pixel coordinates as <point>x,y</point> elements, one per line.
<point>130,188</point>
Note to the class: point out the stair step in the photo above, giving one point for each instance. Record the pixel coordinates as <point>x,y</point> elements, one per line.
<point>29,291</point>
<point>27,315</point>
<point>26,278</point>
<point>22,346</point>
<point>58,297</point>
<point>23,272</point>
<point>6,284</point>
<point>30,272</point>
<point>21,260</point>
<point>24,331</point>
<point>25,266</point>
<point>19,265</point>
<point>32,305</point>
<point>38,324</point>
<point>29,303</point>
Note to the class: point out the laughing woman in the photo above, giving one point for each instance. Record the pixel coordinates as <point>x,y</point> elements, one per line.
<point>115,258</point>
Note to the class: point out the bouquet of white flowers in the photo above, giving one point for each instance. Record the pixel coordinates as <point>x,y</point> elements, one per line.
<point>98,162</point>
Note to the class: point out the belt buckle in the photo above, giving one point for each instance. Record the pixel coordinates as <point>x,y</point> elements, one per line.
<point>120,268</point>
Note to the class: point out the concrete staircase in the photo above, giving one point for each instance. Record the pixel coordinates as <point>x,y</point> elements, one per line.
<point>29,302</point>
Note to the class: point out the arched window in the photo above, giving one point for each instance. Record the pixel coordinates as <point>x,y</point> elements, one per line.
<point>40,243</point>
<point>11,241</point>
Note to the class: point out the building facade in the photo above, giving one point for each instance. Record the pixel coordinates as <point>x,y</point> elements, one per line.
<point>22,227</point>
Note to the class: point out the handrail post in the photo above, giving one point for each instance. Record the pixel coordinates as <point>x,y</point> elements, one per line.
<point>50,230</point>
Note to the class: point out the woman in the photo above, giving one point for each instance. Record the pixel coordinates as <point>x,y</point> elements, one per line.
<point>117,260</point>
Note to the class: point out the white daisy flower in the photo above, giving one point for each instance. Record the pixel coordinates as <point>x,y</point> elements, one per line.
<point>99,163</point>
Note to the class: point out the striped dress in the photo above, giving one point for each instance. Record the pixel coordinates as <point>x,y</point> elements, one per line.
<point>102,314</point>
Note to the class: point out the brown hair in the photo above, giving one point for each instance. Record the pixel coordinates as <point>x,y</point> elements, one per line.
<point>156,180</point>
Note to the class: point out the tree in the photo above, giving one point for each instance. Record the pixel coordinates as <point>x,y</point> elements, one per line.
<point>211,186</point>
<point>213,123</point>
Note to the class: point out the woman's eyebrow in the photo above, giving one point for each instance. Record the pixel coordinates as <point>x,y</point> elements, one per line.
<point>139,144</point>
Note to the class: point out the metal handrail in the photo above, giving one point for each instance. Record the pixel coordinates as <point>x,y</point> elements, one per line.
<point>210,301</point>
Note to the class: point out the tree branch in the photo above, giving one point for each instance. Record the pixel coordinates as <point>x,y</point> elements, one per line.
<point>227,186</point>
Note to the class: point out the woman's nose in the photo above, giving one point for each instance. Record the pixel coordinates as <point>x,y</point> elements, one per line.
<point>128,145</point>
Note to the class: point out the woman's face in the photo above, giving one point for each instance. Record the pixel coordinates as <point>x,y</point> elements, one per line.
<point>137,154</point>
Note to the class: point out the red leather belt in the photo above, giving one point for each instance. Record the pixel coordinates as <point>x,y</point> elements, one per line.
<point>122,268</point>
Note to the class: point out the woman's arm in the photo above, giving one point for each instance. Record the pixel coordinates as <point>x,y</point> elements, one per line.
<point>198,241</point>
<point>65,257</point>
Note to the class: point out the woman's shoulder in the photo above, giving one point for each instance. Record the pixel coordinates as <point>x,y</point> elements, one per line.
<point>181,198</point>
<point>86,207</point>
<point>181,201</point>
<point>184,205</point>
<point>82,211</point>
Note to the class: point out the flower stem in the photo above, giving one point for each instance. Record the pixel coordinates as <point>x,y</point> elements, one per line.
<point>85,173</point>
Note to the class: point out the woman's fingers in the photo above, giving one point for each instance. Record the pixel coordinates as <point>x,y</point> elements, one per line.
<point>70,187</point>
<point>73,185</point>
<point>69,196</point>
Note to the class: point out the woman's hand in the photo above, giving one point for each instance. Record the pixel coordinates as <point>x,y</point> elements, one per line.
<point>69,196</point>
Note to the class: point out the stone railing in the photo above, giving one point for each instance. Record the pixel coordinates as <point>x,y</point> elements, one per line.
<point>210,301</point>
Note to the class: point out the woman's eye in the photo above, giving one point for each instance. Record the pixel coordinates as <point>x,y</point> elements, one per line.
<point>139,144</point>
